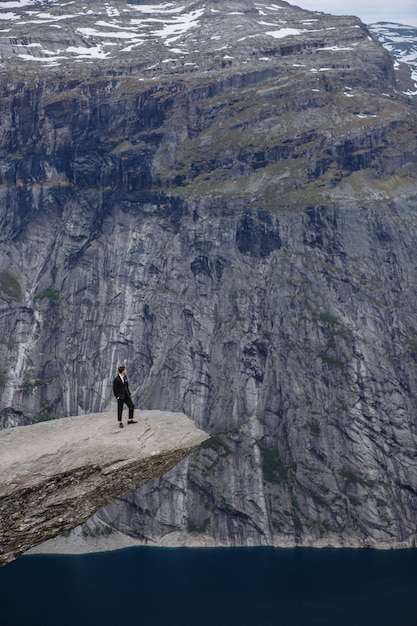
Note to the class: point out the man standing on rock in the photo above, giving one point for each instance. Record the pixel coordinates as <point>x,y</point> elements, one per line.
<point>122,395</point>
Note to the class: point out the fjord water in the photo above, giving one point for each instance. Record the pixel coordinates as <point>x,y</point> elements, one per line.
<point>219,586</point>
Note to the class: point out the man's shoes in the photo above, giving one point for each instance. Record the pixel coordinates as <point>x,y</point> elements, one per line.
<point>121,424</point>
<point>132,422</point>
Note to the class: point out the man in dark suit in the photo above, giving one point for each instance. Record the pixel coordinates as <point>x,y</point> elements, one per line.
<point>122,394</point>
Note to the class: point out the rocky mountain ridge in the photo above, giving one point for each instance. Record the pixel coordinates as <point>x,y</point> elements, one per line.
<point>401,41</point>
<point>61,34</point>
<point>224,199</point>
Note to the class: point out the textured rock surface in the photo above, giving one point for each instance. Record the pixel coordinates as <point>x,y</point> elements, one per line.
<point>229,209</point>
<point>401,41</point>
<point>56,474</point>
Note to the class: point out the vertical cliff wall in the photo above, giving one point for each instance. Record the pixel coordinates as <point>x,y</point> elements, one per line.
<point>236,222</point>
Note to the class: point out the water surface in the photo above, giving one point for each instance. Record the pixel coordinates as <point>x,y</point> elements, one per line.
<point>212,587</point>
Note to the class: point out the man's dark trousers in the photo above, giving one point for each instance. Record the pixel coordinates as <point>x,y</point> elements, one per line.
<point>129,404</point>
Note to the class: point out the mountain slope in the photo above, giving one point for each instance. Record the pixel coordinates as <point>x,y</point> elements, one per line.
<point>222,196</point>
<point>401,41</point>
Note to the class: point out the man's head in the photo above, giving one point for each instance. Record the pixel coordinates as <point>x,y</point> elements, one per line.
<point>122,370</point>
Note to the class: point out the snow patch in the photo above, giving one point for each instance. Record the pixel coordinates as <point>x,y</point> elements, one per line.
<point>270,7</point>
<point>284,32</point>
<point>52,60</point>
<point>157,8</point>
<point>112,11</point>
<point>9,16</point>
<point>333,48</point>
<point>180,25</point>
<point>92,32</point>
<point>95,52</point>
<point>12,4</point>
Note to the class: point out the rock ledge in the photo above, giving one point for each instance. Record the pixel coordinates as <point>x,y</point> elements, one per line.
<point>56,474</point>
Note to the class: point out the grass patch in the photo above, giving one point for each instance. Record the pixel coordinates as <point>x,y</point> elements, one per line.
<point>218,446</point>
<point>31,384</point>
<point>46,417</point>
<point>10,286</point>
<point>273,469</point>
<point>193,527</point>
<point>216,443</point>
<point>52,294</point>
<point>59,96</point>
<point>341,333</point>
<point>352,478</point>
<point>328,318</point>
<point>96,531</point>
<point>330,360</point>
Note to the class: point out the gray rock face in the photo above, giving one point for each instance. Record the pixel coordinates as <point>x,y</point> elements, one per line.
<point>401,41</point>
<point>229,210</point>
<point>56,474</point>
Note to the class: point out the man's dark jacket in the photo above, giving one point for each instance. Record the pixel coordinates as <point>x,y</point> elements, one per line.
<point>120,388</point>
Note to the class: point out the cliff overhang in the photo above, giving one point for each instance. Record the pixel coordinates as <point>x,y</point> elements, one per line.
<point>56,474</point>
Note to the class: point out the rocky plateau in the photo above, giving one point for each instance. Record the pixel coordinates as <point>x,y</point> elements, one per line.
<point>56,474</point>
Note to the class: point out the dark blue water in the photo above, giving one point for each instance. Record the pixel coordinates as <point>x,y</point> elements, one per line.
<point>212,587</point>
